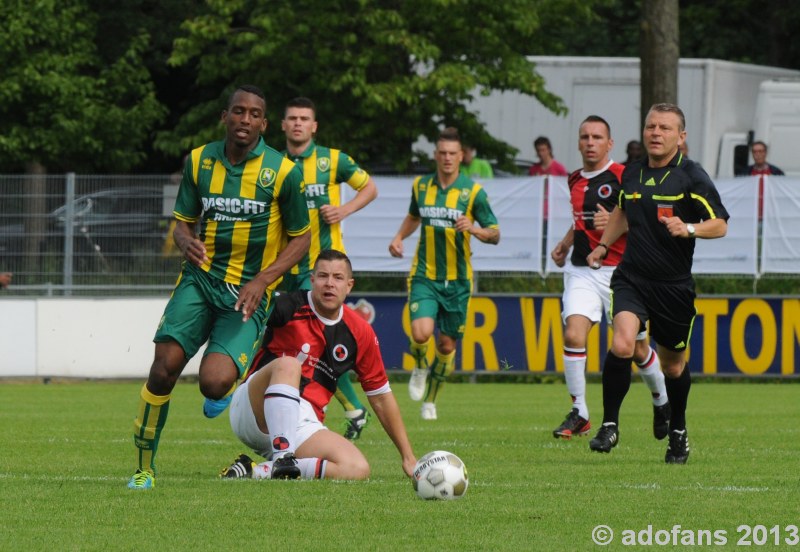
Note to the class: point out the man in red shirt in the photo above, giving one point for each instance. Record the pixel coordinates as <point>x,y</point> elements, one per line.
<point>594,190</point>
<point>760,168</point>
<point>312,340</point>
<point>547,165</point>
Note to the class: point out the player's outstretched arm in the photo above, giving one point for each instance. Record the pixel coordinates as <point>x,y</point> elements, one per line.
<point>387,411</point>
<point>332,214</point>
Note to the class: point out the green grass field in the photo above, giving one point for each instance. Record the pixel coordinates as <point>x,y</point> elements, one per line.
<point>66,453</point>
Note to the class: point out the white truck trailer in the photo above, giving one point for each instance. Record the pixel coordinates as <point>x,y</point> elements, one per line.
<point>723,101</point>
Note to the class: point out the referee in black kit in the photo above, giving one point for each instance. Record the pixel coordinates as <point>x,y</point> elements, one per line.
<point>667,201</point>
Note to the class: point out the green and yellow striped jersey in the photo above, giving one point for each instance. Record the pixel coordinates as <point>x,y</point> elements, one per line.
<point>246,211</point>
<point>324,170</point>
<point>442,252</point>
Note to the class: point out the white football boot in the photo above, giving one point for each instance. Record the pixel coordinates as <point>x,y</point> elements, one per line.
<point>428,411</point>
<point>417,383</point>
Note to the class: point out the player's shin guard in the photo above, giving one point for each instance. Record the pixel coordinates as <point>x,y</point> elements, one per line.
<point>616,382</point>
<point>442,367</point>
<point>678,393</point>
<point>147,426</point>
<point>575,377</point>
<point>346,394</point>
<point>282,411</point>
<point>420,353</point>
<point>650,370</point>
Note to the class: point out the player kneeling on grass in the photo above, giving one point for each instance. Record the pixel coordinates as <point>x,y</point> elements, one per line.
<point>312,340</point>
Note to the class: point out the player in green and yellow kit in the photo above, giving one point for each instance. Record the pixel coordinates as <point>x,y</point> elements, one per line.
<point>253,226</point>
<point>324,171</point>
<point>446,204</point>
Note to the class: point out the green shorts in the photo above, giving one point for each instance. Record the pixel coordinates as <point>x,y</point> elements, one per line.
<point>295,282</point>
<point>202,309</point>
<point>445,301</point>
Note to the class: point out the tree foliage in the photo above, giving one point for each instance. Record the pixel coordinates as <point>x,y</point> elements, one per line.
<point>62,105</point>
<point>748,31</point>
<point>382,72</point>
<point>92,86</point>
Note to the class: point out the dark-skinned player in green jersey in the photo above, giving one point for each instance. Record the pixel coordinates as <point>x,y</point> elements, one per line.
<point>253,227</point>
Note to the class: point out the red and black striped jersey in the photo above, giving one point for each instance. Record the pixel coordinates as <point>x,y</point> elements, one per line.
<point>327,349</point>
<point>587,190</point>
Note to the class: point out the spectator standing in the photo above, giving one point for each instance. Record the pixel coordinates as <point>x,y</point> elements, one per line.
<point>760,168</point>
<point>547,165</point>
<point>634,150</point>
<point>474,167</point>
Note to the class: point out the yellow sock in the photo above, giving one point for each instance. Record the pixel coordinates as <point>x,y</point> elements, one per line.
<point>442,367</point>
<point>419,351</point>
<point>147,426</point>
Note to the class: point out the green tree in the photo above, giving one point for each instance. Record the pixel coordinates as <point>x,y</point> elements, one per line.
<point>382,72</point>
<point>748,31</point>
<point>63,106</point>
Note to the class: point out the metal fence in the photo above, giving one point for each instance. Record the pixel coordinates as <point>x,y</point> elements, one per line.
<point>70,235</point>
<point>79,235</point>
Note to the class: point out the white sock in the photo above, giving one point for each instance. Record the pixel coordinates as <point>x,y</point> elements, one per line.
<point>350,414</point>
<point>310,468</point>
<point>263,470</point>
<point>575,375</point>
<point>282,410</point>
<point>651,373</point>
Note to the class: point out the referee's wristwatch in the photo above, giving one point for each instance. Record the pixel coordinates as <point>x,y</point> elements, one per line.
<point>690,229</point>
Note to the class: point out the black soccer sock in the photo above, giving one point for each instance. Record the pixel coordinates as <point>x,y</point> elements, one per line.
<point>678,394</point>
<point>616,382</point>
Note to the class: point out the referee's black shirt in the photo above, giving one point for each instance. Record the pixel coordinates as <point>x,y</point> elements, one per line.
<point>682,189</point>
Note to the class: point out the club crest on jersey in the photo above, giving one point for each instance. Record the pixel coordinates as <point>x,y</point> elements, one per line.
<point>465,194</point>
<point>266,178</point>
<point>340,352</point>
<point>243,359</point>
<point>604,191</point>
<point>414,307</point>
<point>208,163</point>
<point>324,164</point>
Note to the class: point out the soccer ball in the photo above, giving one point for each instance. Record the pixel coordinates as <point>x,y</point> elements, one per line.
<point>440,475</point>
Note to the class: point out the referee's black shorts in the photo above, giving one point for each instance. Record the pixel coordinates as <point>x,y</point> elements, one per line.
<point>669,306</point>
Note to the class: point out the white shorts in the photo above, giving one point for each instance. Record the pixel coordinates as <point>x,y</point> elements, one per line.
<point>244,425</point>
<point>587,292</point>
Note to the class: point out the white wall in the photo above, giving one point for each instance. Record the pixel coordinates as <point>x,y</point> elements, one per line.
<point>68,337</point>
